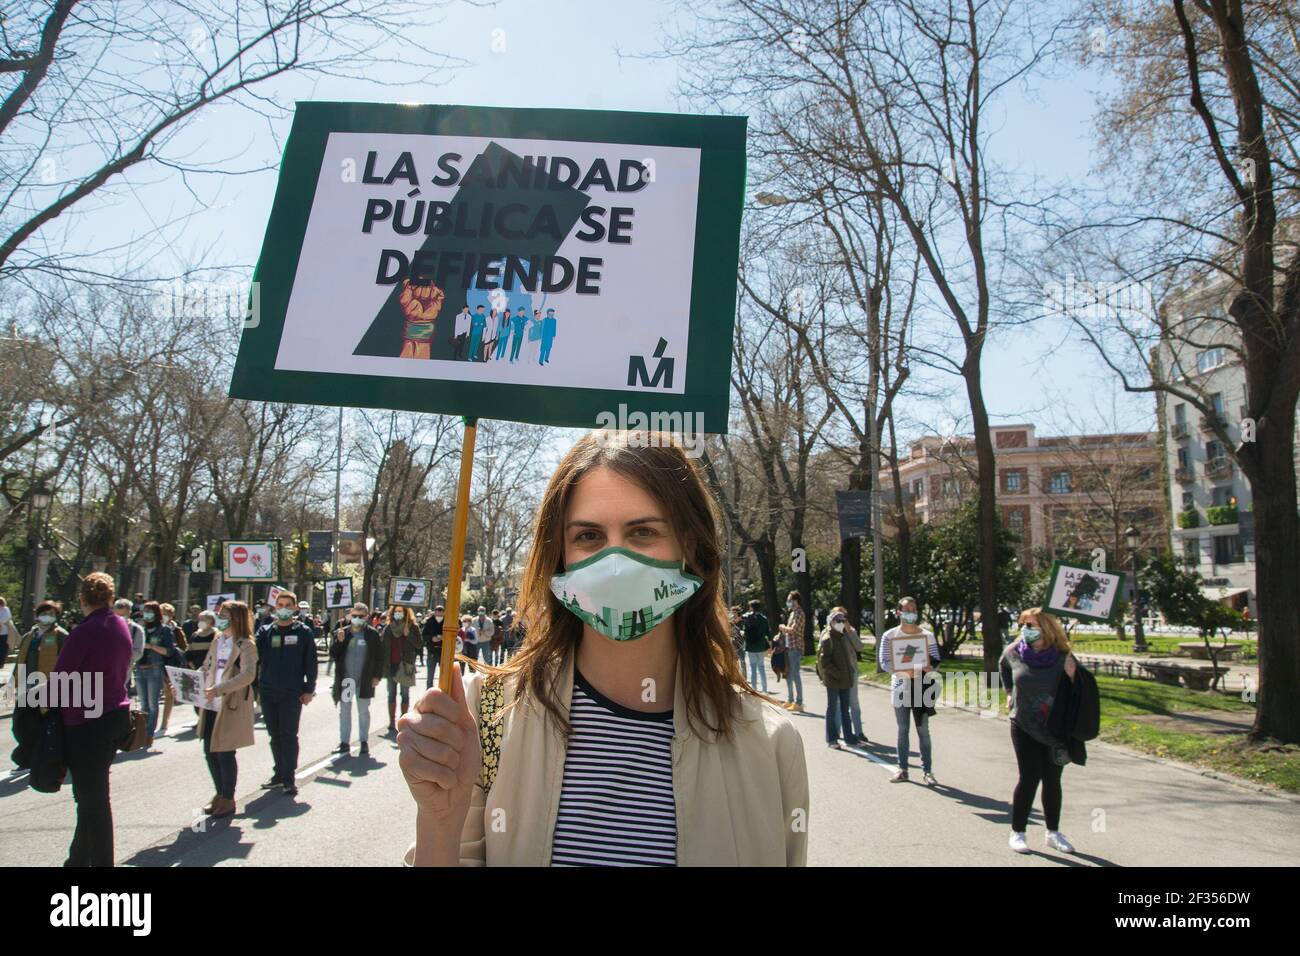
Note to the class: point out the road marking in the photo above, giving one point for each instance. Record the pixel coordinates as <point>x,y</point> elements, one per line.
<point>15,775</point>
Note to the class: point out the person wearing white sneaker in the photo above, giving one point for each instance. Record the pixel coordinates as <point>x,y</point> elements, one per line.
<point>908,653</point>
<point>1031,669</point>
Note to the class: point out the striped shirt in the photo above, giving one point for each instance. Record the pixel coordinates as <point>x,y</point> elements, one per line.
<point>616,801</point>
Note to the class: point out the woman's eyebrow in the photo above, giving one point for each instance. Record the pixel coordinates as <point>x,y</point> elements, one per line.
<point>647,520</point>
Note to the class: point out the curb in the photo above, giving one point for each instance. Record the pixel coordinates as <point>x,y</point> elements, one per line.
<point>1239,782</point>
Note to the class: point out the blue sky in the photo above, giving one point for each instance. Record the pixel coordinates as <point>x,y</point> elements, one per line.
<point>553,54</point>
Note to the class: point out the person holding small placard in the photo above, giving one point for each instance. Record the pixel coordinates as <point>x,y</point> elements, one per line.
<point>909,652</point>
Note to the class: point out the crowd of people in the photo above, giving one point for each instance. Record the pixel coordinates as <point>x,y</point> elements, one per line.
<point>591,710</point>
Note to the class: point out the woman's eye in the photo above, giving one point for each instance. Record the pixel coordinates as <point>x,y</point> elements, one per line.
<point>588,535</point>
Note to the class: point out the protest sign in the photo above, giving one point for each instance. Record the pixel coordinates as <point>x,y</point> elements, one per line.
<point>410,592</point>
<point>215,601</point>
<point>320,546</point>
<point>338,593</point>
<point>187,687</point>
<point>529,264</point>
<point>251,562</point>
<point>1080,592</point>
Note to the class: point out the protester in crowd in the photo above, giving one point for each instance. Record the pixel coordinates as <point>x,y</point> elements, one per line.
<point>1004,624</point>
<point>758,638</point>
<point>737,623</point>
<point>909,689</point>
<point>483,632</point>
<point>497,646</point>
<point>176,658</point>
<point>229,670</point>
<point>432,636</point>
<point>518,631</point>
<point>196,650</point>
<point>159,643</point>
<point>122,608</point>
<point>838,673</point>
<point>191,625</point>
<point>286,652</point>
<point>358,650</point>
<point>616,691</point>
<point>7,630</point>
<point>137,607</point>
<point>37,653</point>
<point>401,645</point>
<point>792,631</point>
<point>507,629</point>
<point>96,657</point>
<point>836,616</point>
<point>1031,669</point>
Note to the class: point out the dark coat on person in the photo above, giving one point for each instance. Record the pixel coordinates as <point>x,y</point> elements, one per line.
<point>371,671</point>
<point>1076,712</point>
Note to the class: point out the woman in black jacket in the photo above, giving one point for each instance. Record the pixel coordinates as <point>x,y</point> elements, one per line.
<point>357,653</point>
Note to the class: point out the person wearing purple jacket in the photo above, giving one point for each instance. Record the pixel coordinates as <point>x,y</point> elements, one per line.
<point>89,686</point>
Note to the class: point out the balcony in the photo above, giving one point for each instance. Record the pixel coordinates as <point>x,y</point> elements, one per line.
<point>1218,468</point>
<point>1209,421</point>
<point>1184,475</point>
<point>1178,429</point>
<point>1221,514</point>
<point>1189,519</point>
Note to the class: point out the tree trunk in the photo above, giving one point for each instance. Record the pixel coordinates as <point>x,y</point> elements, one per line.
<point>851,578</point>
<point>1277,558</point>
<point>987,513</point>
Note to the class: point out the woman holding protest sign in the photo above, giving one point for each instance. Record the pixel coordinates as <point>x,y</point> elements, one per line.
<point>1031,669</point>
<point>228,673</point>
<point>909,652</point>
<point>628,678</point>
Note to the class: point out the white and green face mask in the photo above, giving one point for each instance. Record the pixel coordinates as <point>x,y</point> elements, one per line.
<point>622,594</point>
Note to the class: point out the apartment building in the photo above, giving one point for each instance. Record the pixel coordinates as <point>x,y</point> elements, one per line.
<point>1056,493</point>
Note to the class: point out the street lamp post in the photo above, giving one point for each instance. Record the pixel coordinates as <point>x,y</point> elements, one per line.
<point>1132,537</point>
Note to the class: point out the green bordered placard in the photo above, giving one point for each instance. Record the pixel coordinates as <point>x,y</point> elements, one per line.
<point>401,236</point>
<point>409,592</point>
<point>1080,592</point>
<point>338,593</point>
<point>250,560</point>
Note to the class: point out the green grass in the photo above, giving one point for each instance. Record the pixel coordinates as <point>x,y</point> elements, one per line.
<point>1123,700</point>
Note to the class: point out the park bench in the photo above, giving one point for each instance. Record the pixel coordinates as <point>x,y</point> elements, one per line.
<point>1195,675</point>
<point>1196,649</point>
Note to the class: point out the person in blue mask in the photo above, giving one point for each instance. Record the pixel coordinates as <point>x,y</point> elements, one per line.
<point>623,732</point>
<point>159,646</point>
<point>1031,669</point>
<point>909,653</point>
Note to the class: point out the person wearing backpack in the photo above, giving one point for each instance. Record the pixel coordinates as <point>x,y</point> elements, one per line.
<point>907,685</point>
<point>758,638</point>
<point>837,672</point>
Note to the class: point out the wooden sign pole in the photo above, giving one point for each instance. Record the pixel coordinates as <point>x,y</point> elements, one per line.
<point>460,523</point>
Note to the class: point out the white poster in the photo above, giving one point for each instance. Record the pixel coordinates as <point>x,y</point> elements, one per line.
<point>251,562</point>
<point>909,651</point>
<point>216,600</point>
<point>338,593</point>
<point>410,592</point>
<point>187,688</point>
<point>616,282</point>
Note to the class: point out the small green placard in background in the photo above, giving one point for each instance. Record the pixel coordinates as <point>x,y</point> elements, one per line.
<point>250,560</point>
<point>1080,592</point>
<point>563,267</point>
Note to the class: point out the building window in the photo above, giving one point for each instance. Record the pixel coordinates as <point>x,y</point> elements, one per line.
<point>1216,402</point>
<point>949,487</point>
<point>1060,484</point>
<point>1183,463</point>
<point>1228,549</point>
<point>1188,503</point>
<point>1013,481</point>
<point>1215,451</point>
<point>918,488</point>
<point>1016,521</point>
<point>1180,414</point>
<point>1223,496</point>
<point>1191,551</point>
<point>1211,358</point>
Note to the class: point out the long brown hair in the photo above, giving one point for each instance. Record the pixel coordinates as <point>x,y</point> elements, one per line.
<point>407,623</point>
<point>1050,626</point>
<point>656,464</point>
<point>241,618</point>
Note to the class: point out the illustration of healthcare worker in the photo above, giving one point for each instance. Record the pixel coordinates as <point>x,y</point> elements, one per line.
<point>490,335</point>
<point>533,348</point>
<point>517,341</point>
<point>548,335</point>
<point>477,325</point>
<point>503,336</point>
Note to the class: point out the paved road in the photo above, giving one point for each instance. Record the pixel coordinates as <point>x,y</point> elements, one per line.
<point>1120,809</point>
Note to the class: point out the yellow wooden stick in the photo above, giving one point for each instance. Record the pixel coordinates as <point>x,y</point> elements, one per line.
<point>460,523</point>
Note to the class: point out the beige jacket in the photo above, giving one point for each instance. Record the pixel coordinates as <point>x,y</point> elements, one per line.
<point>742,802</point>
<point>234,727</point>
